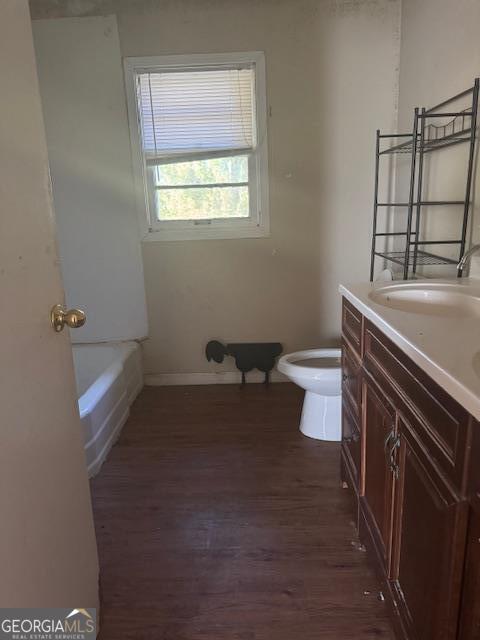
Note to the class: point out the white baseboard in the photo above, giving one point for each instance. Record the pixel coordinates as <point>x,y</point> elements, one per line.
<point>224,377</point>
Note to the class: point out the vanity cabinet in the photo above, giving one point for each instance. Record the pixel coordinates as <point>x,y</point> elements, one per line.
<point>416,494</point>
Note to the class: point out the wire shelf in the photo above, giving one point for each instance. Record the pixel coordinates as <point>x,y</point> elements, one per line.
<point>424,258</point>
<point>432,129</point>
<point>435,136</point>
<point>430,145</point>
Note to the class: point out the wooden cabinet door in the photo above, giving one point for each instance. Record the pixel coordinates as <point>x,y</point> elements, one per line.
<point>351,403</point>
<point>428,545</point>
<point>351,444</point>
<point>351,376</point>
<point>378,432</point>
<point>470,608</point>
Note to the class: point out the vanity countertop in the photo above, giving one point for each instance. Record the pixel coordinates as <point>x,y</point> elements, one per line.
<point>446,346</point>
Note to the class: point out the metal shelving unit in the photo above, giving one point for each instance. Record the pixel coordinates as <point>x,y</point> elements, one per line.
<point>426,137</point>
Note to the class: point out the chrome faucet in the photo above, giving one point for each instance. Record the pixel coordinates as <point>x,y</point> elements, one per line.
<point>463,261</point>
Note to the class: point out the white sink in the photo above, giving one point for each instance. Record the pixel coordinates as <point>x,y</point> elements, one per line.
<point>442,299</point>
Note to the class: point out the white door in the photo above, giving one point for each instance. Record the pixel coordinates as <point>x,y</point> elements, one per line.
<point>48,551</point>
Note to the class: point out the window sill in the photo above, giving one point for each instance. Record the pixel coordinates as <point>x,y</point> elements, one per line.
<point>207,232</point>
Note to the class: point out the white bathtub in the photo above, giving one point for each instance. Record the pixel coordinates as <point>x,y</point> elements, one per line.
<point>109,378</point>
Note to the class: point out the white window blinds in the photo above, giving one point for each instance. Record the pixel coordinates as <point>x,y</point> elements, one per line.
<point>193,113</point>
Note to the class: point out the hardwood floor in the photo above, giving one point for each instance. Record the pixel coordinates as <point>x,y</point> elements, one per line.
<point>217,520</point>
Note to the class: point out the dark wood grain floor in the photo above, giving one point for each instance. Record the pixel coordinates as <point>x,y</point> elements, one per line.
<point>217,520</point>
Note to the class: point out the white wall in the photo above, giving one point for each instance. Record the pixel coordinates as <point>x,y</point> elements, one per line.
<point>440,56</point>
<point>81,82</point>
<point>332,74</point>
<point>331,80</point>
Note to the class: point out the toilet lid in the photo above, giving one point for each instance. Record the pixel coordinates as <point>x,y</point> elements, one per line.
<point>319,363</point>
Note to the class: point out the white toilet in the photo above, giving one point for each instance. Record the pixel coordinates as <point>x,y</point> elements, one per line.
<point>318,371</point>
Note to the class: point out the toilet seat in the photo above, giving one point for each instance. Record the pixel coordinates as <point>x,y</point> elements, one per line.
<point>323,387</point>
<point>324,380</point>
<point>289,363</point>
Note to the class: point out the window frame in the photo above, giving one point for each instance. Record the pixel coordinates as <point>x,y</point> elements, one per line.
<point>257,224</point>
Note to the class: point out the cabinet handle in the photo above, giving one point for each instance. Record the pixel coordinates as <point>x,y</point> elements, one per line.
<point>393,462</point>
<point>390,435</point>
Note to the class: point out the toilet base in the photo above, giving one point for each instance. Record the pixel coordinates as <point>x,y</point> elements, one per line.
<point>321,417</point>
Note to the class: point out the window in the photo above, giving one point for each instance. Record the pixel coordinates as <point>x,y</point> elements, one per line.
<point>199,143</point>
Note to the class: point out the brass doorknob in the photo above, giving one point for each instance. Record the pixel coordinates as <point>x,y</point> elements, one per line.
<point>73,318</point>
